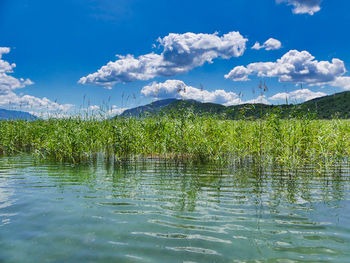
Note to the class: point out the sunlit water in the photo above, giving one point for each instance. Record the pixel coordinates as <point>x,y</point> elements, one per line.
<point>152,212</point>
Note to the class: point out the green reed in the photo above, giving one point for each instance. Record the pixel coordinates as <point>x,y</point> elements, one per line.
<point>184,137</point>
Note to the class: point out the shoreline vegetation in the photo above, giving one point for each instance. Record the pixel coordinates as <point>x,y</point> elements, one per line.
<point>183,136</point>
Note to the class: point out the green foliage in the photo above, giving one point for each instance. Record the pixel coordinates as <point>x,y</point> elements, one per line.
<point>337,105</point>
<point>183,136</point>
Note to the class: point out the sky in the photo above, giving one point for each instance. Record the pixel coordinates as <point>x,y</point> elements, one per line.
<point>65,57</point>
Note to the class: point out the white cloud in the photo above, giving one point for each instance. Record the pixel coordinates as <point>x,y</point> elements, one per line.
<point>94,107</point>
<point>5,67</point>
<point>270,44</point>
<point>9,99</point>
<point>115,110</point>
<point>181,53</point>
<point>93,111</point>
<point>297,96</point>
<point>51,115</point>
<point>343,82</point>
<point>7,82</point>
<point>4,50</point>
<point>106,111</point>
<point>259,99</point>
<point>303,6</point>
<point>239,73</point>
<point>178,89</point>
<point>294,66</point>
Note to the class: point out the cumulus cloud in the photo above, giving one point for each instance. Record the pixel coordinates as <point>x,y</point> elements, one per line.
<point>9,99</point>
<point>8,82</point>
<point>294,66</point>
<point>303,6</point>
<point>178,89</point>
<point>115,110</point>
<point>51,115</point>
<point>260,99</point>
<point>270,44</point>
<point>5,67</point>
<point>297,95</point>
<point>4,50</point>
<point>239,73</point>
<point>343,82</point>
<point>181,53</point>
<point>106,111</point>
<point>94,108</point>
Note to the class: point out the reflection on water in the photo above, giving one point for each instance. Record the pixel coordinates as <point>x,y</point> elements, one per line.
<point>156,212</point>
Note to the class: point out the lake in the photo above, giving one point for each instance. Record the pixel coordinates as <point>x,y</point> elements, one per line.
<point>162,212</point>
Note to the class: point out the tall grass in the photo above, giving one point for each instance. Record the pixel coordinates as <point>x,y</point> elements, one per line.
<point>185,137</point>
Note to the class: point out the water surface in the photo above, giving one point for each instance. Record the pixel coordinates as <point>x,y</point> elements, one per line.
<point>156,212</point>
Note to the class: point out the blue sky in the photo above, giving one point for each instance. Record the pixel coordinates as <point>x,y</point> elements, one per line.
<point>177,48</point>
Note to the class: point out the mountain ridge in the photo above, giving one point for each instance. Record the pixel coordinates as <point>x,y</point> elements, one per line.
<point>325,107</point>
<point>16,115</point>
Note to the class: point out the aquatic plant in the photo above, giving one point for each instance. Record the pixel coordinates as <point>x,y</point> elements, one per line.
<point>183,136</point>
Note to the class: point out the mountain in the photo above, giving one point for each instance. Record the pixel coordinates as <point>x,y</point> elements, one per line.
<point>149,108</point>
<point>324,108</point>
<point>16,115</point>
<point>331,105</point>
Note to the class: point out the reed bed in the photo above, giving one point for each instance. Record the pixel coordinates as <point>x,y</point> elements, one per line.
<point>185,138</point>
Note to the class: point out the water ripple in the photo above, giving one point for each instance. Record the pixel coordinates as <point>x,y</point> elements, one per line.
<point>156,212</point>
